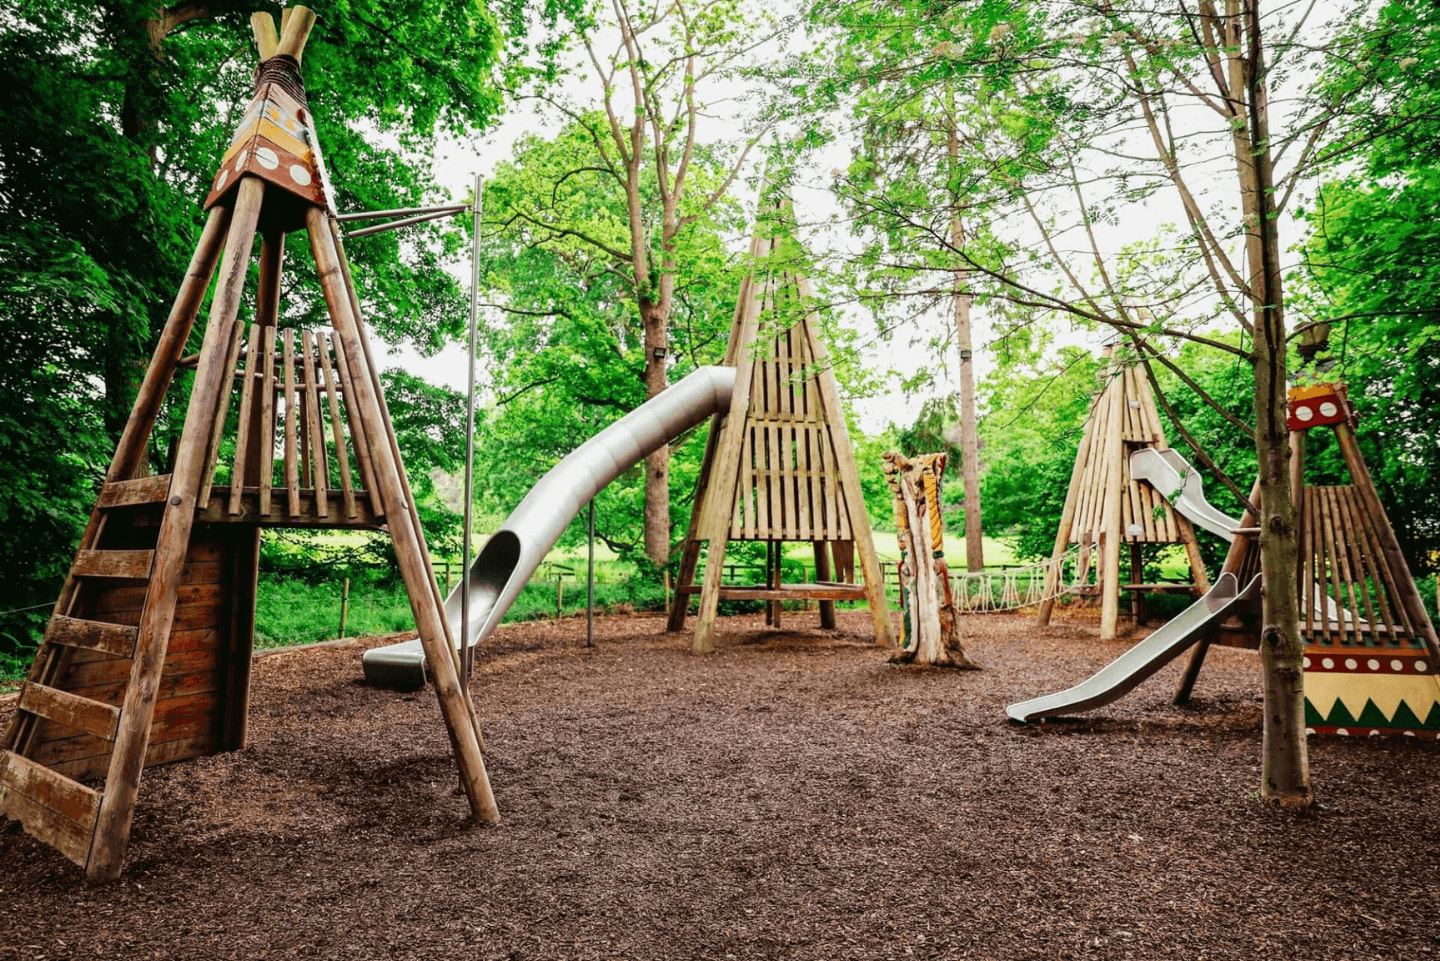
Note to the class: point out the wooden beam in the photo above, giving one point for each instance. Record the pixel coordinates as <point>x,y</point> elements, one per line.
<point>62,707</point>
<point>116,640</point>
<point>308,515</point>
<point>120,565</point>
<point>409,540</point>
<point>130,493</point>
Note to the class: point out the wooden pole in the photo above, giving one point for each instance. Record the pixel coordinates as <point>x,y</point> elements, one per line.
<point>409,539</point>
<point>122,782</point>
<point>344,605</point>
<point>1114,453</point>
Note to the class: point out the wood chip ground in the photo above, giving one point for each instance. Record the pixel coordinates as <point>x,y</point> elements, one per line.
<point>790,796</point>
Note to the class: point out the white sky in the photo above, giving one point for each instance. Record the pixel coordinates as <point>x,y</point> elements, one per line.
<point>458,164</point>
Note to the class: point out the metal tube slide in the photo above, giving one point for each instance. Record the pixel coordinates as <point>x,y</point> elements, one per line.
<point>515,550</point>
<point>1123,674</point>
<point>1179,483</point>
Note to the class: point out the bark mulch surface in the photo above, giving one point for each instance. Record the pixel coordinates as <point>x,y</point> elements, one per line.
<point>790,796</point>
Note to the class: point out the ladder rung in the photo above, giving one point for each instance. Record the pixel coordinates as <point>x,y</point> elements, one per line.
<point>53,808</point>
<point>141,490</point>
<point>129,565</point>
<point>117,640</point>
<point>71,710</point>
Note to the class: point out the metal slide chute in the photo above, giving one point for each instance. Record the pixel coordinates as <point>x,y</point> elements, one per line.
<point>515,550</point>
<point>1127,671</point>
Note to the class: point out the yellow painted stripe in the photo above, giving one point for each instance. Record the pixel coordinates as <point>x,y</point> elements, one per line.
<point>278,135</point>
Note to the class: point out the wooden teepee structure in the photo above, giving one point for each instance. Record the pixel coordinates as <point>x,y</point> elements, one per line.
<point>147,656</point>
<point>1105,507</point>
<point>778,465</point>
<point>1372,656</point>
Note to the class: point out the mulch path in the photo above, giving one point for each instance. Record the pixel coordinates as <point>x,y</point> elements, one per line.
<point>790,796</point>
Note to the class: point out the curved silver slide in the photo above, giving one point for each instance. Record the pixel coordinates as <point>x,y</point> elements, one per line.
<point>1125,673</point>
<point>1179,483</point>
<point>517,548</point>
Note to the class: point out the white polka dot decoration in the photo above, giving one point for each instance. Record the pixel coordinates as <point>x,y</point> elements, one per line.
<point>1351,663</point>
<point>1327,663</point>
<point>1328,409</point>
<point>1306,663</point>
<point>1397,665</point>
<point>240,159</point>
<point>267,158</point>
<point>1420,666</point>
<point>300,175</point>
<point>221,180</point>
<point>1303,412</point>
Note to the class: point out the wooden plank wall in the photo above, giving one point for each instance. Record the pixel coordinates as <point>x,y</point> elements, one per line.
<point>1140,504</point>
<point>788,483</point>
<point>300,412</point>
<point>190,708</point>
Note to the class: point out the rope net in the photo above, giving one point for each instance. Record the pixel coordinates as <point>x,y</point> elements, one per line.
<point>991,592</point>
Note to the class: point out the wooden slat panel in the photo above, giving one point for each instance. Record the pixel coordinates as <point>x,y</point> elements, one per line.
<point>363,461</point>
<point>171,685</point>
<point>253,363</point>
<point>292,420</point>
<point>1364,567</point>
<point>314,432</point>
<point>187,639</point>
<point>126,565</point>
<point>117,640</point>
<point>222,411</point>
<point>1342,562</point>
<point>342,454</point>
<point>62,707</point>
<point>175,719</point>
<point>49,789</point>
<point>267,422</point>
<point>129,493</point>
<point>91,674</point>
<point>159,752</point>
<point>130,599</point>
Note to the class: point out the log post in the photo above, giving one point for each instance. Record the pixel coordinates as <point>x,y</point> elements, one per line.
<point>932,635</point>
<point>409,540</point>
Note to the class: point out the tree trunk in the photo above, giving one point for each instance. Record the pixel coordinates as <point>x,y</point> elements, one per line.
<point>657,465</point>
<point>969,436</point>
<point>1285,775</point>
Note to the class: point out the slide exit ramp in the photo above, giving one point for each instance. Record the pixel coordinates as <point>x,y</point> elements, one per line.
<point>1127,671</point>
<point>514,551</point>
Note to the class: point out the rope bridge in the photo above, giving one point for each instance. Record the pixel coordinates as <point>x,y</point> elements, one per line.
<point>991,592</point>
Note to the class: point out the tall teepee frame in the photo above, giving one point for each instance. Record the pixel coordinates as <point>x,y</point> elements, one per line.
<point>1372,655</point>
<point>147,656</point>
<point>778,465</point>
<point>1105,507</point>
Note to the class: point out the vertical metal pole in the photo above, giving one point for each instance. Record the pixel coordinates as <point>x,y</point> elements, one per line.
<point>467,656</point>
<point>590,584</point>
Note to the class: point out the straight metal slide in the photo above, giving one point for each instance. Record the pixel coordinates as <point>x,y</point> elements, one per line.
<point>1127,671</point>
<point>514,551</point>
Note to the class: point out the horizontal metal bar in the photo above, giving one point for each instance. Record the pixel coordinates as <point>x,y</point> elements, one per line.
<point>397,224</point>
<point>402,212</point>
